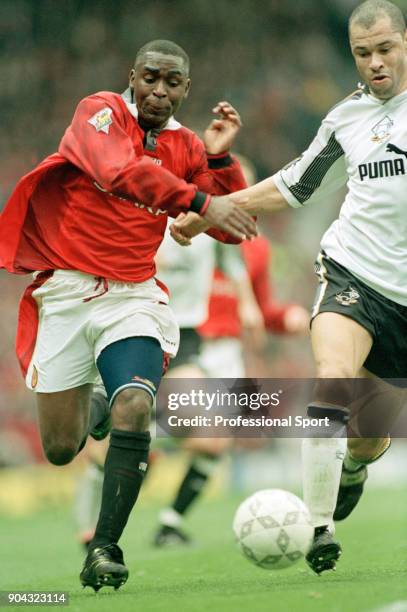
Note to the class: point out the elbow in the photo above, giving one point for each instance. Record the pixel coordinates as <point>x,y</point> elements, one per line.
<point>112,182</point>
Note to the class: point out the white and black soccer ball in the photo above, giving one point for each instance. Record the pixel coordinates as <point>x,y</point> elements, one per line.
<point>273,528</point>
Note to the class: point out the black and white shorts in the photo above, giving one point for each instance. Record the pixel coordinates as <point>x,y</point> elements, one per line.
<point>340,291</point>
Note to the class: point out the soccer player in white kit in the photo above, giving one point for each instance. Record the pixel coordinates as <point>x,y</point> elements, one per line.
<point>359,324</point>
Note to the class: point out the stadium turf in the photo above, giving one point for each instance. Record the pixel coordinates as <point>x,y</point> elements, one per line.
<point>40,553</point>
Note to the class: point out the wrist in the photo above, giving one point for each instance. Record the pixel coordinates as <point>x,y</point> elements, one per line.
<point>200,203</point>
<point>217,155</point>
<point>217,161</point>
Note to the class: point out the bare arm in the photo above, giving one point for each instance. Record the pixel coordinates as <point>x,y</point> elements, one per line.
<point>262,197</point>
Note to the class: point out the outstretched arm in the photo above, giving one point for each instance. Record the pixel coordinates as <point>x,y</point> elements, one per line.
<point>318,172</point>
<point>262,197</point>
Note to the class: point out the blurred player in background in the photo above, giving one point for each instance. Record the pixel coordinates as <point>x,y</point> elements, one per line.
<point>189,363</point>
<point>359,326</point>
<point>239,303</point>
<point>222,332</point>
<point>89,220</point>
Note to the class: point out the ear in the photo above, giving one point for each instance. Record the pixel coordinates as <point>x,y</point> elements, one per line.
<point>132,76</point>
<point>187,88</point>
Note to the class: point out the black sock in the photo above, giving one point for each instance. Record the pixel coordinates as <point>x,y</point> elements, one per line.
<point>125,466</point>
<point>192,486</point>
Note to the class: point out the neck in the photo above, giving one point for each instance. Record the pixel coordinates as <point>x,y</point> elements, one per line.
<point>146,127</point>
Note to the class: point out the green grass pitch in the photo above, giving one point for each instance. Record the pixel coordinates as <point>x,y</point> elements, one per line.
<point>40,553</point>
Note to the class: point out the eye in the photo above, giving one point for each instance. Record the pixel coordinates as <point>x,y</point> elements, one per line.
<point>148,78</point>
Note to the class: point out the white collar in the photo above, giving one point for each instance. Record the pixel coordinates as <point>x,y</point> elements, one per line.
<point>172,124</point>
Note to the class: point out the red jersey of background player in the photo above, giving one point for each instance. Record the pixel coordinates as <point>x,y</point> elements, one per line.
<point>101,204</point>
<point>223,310</point>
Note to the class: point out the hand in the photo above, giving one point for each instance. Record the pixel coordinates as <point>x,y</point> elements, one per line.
<point>221,132</point>
<point>296,320</point>
<point>186,226</point>
<point>250,315</point>
<point>253,324</point>
<point>224,215</point>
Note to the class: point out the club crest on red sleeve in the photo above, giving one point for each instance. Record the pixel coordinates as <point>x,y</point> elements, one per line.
<point>102,120</point>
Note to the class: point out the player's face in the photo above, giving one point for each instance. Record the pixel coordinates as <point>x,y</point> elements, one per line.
<point>160,83</point>
<point>380,56</point>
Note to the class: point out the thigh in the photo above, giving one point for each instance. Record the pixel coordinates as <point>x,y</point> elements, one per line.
<point>64,414</point>
<point>340,345</point>
<point>135,362</point>
<point>130,310</point>
<point>63,357</point>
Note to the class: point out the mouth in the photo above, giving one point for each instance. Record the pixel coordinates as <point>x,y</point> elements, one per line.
<point>155,109</point>
<point>379,79</point>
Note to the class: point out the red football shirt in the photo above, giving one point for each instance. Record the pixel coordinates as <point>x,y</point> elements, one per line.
<point>101,204</point>
<point>223,310</point>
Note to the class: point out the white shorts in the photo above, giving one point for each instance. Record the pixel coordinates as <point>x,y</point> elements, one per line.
<point>73,332</point>
<point>222,358</point>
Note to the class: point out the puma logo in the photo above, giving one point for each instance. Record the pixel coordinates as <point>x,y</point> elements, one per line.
<point>391,148</point>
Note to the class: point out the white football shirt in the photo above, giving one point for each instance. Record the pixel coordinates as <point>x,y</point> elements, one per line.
<point>362,142</point>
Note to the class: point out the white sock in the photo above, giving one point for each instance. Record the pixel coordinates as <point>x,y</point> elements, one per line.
<point>170,518</point>
<point>87,501</point>
<point>322,464</point>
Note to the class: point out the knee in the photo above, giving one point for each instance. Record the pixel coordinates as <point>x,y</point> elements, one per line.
<point>60,453</point>
<point>131,410</point>
<point>334,370</point>
<point>335,383</point>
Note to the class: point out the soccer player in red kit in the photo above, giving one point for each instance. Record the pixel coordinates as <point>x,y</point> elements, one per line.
<point>88,221</point>
<point>223,319</point>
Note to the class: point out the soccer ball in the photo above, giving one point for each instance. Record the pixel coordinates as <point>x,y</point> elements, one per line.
<point>273,528</point>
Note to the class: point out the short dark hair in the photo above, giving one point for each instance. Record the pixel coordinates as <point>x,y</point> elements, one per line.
<point>167,47</point>
<point>367,13</point>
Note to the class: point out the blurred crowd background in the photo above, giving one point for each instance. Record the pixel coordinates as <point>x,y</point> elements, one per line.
<point>282,64</point>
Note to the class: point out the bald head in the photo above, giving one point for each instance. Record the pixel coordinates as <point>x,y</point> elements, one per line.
<point>368,13</point>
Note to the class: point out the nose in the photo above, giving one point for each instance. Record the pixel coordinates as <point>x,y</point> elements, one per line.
<point>376,62</point>
<point>160,90</point>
